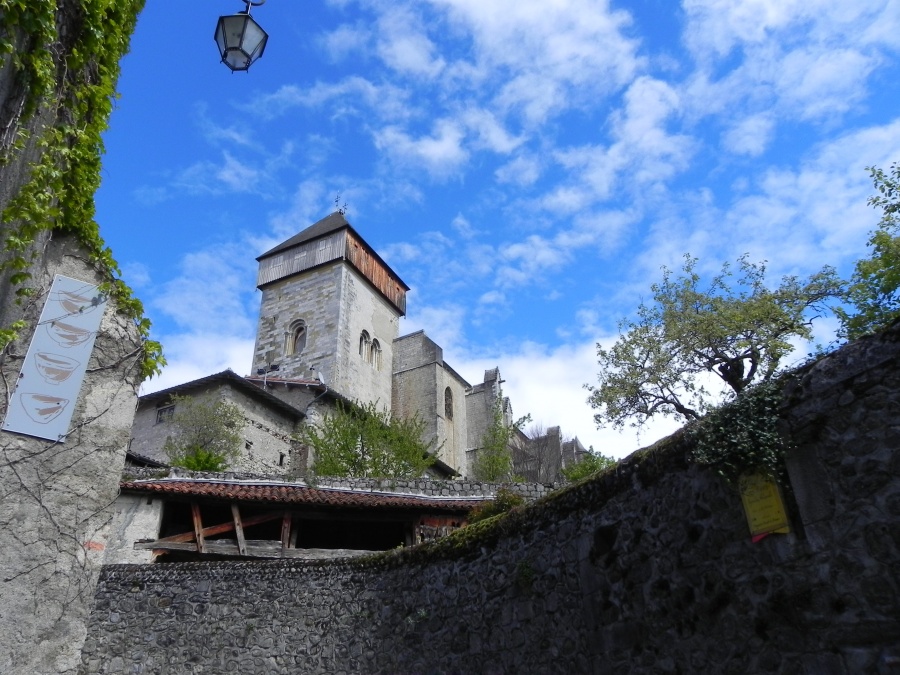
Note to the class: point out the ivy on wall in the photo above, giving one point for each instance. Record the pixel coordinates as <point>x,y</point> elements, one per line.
<point>65,61</point>
<point>742,435</point>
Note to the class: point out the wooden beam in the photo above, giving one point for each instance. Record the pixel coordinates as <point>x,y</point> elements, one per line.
<point>224,527</point>
<point>198,527</point>
<point>239,529</point>
<point>254,549</point>
<point>285,530</point>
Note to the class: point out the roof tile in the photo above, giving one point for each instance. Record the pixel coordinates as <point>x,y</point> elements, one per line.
<point>296,494</point>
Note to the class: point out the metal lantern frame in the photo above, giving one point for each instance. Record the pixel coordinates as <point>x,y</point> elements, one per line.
<point>240,39</point>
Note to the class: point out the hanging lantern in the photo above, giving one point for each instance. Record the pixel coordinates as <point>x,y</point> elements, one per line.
<point>240,39</point>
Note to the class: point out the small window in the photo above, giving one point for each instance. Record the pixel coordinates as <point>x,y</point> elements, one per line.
<point>295,338</point>
<point>375,355</point>
<point>364,342</point>
<point>164,414</point>
<point>448,403</point>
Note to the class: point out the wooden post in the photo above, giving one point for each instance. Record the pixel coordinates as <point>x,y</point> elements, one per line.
<point>285,530</point>
<point>239,529</point>
<point>198,527</point>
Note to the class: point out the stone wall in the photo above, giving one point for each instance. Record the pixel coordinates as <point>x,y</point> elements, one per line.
<point>647,568</point>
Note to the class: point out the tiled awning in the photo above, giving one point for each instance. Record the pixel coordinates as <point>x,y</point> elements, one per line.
<point>295,494</point>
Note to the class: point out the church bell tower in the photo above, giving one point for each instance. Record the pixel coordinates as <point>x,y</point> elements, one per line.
<point>330,306</point>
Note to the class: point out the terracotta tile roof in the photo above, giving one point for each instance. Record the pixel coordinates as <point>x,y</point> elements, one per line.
<point>289,493</point>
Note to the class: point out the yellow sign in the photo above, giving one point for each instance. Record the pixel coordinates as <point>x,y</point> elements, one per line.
<point>763,505</point>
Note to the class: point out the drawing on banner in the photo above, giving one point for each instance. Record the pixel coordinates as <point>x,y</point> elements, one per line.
<point>42,408</point>
<point>55,368</point>
<point>66,335</point>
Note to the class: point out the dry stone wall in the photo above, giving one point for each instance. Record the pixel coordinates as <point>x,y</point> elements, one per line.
<point>648,568</point>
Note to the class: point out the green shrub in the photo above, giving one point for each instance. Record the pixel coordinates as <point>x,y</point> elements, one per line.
<point>505,500</point>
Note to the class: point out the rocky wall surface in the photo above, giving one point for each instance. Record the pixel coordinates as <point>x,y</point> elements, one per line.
<point>647,568</point>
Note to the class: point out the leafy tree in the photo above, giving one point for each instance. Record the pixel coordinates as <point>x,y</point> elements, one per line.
<point>206,434</point>
<point>874,291</point>
<point>494,461</point>
<point>365,441</point>
<point>737,334</point>
<point>591,463</point>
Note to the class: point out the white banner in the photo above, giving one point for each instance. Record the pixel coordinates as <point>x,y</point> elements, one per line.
<point>44,398</point>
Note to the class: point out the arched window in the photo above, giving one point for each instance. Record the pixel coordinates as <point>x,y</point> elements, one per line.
<point>448,404</point>
<point>364,346</point>
<point>295,338</point>
<point>375,358</point>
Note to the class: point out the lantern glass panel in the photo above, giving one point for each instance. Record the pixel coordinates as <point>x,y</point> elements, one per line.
<point>254,38</point>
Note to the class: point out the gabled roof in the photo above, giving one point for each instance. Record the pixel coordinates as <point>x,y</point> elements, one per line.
<point>328,224</point>
<point>294,493</point>
<point>226,377</point>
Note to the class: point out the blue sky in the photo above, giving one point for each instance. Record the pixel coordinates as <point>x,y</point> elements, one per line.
<point>526,166</point>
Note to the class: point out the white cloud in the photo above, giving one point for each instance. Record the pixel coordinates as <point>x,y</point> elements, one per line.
<point>213,291</point>
<point>718,26</point>
<point>443,324</point>
<point>547,383</point>
<point>191,357</point>
<point>224,135</point>
<point>404,47</point>
<point>353,95</point>
<point>750,136</point>
<point>441,154</point>
<point>643,154</point>
<point>345,40</point>
<point>549,56</point>
<point>148,195</point>
<point>823,84</point>
<point>492,298</point>
<point>523,170</point>
<point>463,227</point>
<point>136,274</point>
<point>788,58</point>
<point>488,131</point>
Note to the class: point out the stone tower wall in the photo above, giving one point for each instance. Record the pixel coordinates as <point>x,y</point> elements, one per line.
<point>314,297</point>
<point>420,381</point>
<point>336,304</point>
<point>364,309</point>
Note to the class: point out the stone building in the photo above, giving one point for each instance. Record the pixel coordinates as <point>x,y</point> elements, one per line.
<point>328,331</point>
<point>266,435</point>
<point>330,305</point>
<point>542,457</point>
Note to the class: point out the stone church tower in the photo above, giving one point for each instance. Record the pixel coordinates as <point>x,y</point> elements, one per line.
<point>331,307</point>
